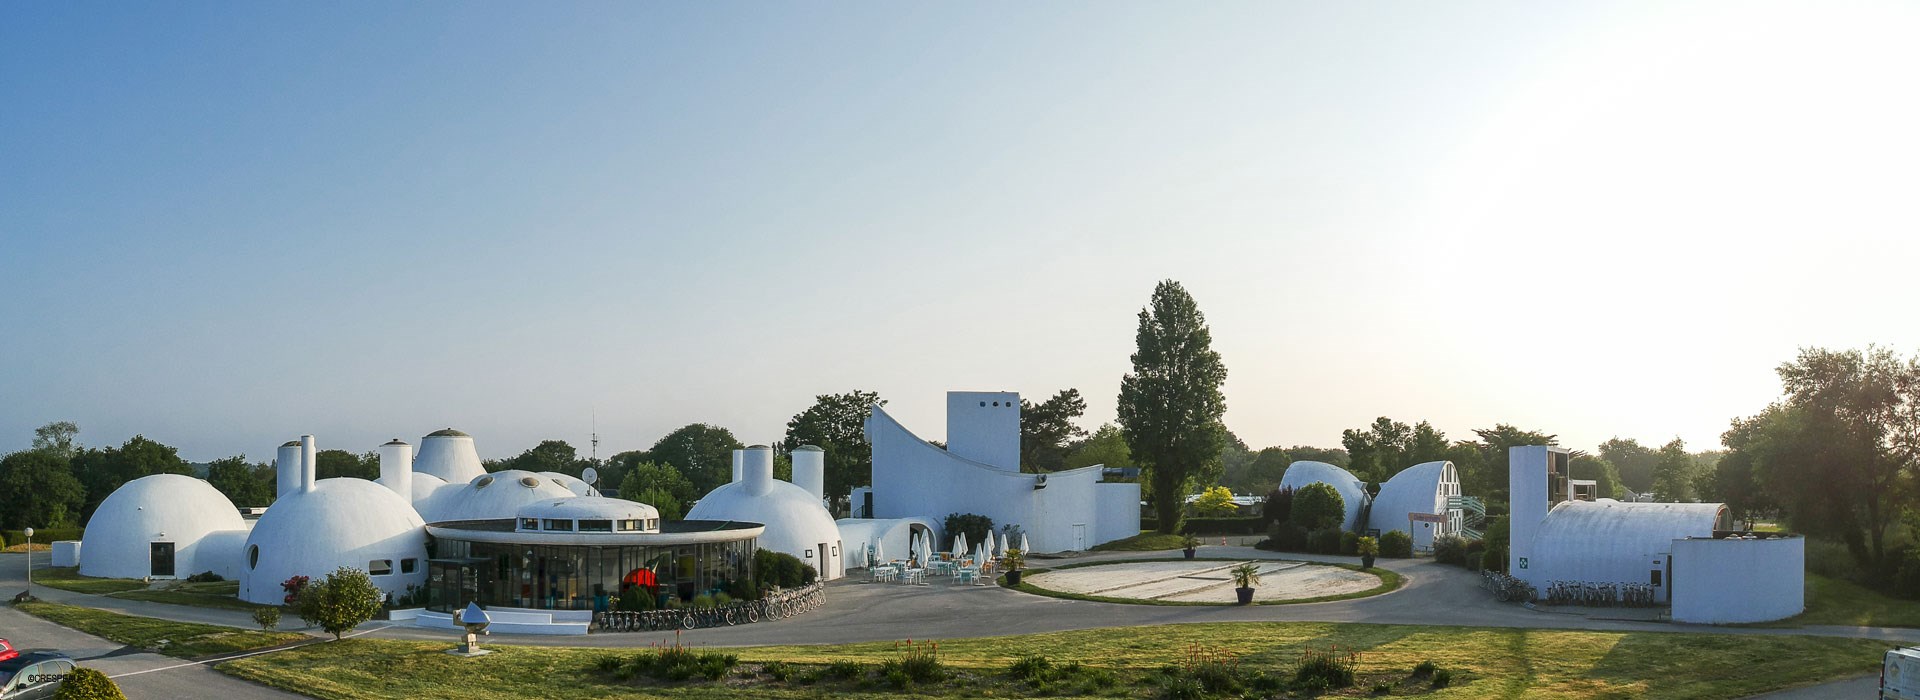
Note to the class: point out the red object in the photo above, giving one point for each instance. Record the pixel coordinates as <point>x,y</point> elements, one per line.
<point>7,651</point>
<point>641,577</point>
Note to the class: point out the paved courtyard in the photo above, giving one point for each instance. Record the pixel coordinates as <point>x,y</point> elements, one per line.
<point>1204,581</point>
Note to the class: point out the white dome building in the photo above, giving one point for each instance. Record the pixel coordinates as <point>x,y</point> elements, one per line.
<point>570,483</point>
<point>1423,489</point>
<point>164,525</point>
<point>796,522</point>
<point>489,496</point>
<point>1352,492</point>
<point>329,524</point>
<point>450,455</point>
<point>423,487</point>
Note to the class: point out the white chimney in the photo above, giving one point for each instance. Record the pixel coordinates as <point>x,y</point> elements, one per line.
<point>757,471</point>
<point>396,468</point>
<point>810,470</point>
<point>286,469</point>
<point>309,463</point>
<point>739,463</point>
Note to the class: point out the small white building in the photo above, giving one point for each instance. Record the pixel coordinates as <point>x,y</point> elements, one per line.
<point>1418,501</point>
<point>796,521</point>
<point>164,526</point>
<point>332,523</point>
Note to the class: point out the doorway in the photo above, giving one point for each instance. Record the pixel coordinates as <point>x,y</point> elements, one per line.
<point>1079,537</point>
<point>160,559</point>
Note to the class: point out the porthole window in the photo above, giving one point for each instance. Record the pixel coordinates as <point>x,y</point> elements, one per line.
<point>529,482</point>
<point>983,404</point>
<point>557,482</point>
<point>408,566</point>
<point>253,556</point>
<point>996,403</point>
<point>484,482</point>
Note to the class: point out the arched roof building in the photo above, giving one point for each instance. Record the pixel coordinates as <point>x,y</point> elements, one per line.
<point>796,522</point>
<point>1607,541</point>
<point>1421,488</point>
<point>330,524</point>
<point>1352,491</point>
<point>159,526</point>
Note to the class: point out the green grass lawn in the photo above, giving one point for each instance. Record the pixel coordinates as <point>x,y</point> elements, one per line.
<point>214,594</point>
<point>1146,541</point>
<point>1500,663</point>
<point>69,579</point>
<point>186,640</point>
<point>1388,581</point>
<point>1832,601</point>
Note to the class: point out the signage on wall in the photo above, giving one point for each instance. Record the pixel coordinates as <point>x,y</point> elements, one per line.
<point>1523,562</point>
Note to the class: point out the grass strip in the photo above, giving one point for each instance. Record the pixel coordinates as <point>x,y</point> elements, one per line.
<point>186,640</point>
<point>68,578</point>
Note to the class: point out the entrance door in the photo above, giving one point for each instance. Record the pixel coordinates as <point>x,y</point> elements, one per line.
<point>1079,537</point>
<point>160,559</point>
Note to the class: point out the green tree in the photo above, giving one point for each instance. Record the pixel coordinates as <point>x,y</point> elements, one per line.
<point>346,598</point>
<point>837,424</point>
<point>1216,501</point>
<point>700,451</point>
<point>247,485</point>
<point>58,438</point>
<point>1231,469</point>
<point>38,489</point>
<point>102,471</point>
<point>1171,404</point>
<point>1268,466</point>
<point>334,464</point>
<point>1673,475</point>
<point>1106,446</point>
<point>660,486</point>
<point>1635,462</point>
<point>1493,446</point>
<point>1317,506</point>
<point>1378,450</point>
<point>1606,479</point>
<point>1735,479</point>
<point>1045,429</point>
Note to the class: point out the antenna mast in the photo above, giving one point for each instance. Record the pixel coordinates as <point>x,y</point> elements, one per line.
<point>594,435</point>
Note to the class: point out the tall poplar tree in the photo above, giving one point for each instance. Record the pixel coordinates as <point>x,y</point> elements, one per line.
<point>1170,405</point>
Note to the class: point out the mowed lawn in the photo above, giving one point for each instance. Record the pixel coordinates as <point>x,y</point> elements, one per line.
<point>1485,662</point>
<point>186,640</point>
<point>1832,601</point>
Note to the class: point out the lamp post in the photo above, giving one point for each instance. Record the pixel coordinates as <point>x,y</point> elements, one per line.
<point>29,533</point>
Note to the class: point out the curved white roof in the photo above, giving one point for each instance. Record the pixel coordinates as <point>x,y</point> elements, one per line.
<point>450,455</point>
<point>1352,491</point>
<point>341,522</point>
<point>1607,542</point>
<point>589,508</point>
<point>489,496</point>
<point>424,486</point>
<point>1421,488</point>
<point>571,483</point>
<point>158,508</point>
<point>796,521</point>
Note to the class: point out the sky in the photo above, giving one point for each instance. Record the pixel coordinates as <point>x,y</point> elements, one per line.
<point>224,225</point>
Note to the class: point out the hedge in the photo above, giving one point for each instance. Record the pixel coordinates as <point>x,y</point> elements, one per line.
<point>1211,526</point>
<point>46,536</point>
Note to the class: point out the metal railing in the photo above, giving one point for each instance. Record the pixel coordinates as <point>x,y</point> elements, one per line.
<point>777,605</point>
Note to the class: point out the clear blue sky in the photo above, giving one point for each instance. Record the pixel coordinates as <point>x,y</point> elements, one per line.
<point>226,224</point>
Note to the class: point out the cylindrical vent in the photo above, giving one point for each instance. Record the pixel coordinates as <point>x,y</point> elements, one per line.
<point>396,468</point>
<point>739,462</point>
<point>309,462</point>
<point>758,469</point>
<point>810,470</point>
<point>286,469</point>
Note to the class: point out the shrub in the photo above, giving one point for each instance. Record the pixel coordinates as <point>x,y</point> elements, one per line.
<point>1278,506</point>
<point>1333,667</point>
<point>635,599</point>
<point>607,664</point>
<point>1382,689</point>
<point>341,602</point>
<point>204,577</point>
<point>1475,549</point>
<point>843,669</point>
<point>702,602</point>
<point>975,527</point>
<point>1033,666</point>
<point>1396,544</point>
<point>918,662</point>
<point>1318,505</point>
<point>88,684</point>
<point>777,670</point>
<point>742,589</point>
<point>771,568</point>
<point>1287,537</point>
<point>1367,547</point>
<point>1450,549</point>
<point>1423,670</point>
<point>1349,544</point>
<point>45,535</point>
<point>678,663</point>
<point>293,586</point>
<point>1180,688</point>
<point>267,617</point>
<point>721,599</point>
<point>1325,540</point>
<point>1442,678</point>
<point>1494,559</point>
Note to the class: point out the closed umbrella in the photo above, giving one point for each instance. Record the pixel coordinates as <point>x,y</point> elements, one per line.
<point>1003,543</point>
<point>959,545</point>
<point>876,554</point>
<point>986,549</point>
<point>1024,547</point>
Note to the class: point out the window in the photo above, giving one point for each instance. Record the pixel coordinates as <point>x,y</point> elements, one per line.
<point>529,482</point>
<point>380,567</point>
<point>484,482</point>
<point>653,524</point>
<point>629,526</point>
<point>1656,577</point>
<point>408,566</point>
<point>253,556</point>
<point>556,525</point>
<point>529,523</point>
<point>596,526</point>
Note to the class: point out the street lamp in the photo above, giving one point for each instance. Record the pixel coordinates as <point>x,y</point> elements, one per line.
<point>29,532</point>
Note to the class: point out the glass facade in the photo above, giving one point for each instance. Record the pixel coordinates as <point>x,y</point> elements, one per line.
<point>579,577</point>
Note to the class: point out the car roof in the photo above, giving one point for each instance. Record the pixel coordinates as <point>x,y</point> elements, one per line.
<point>31,657</point>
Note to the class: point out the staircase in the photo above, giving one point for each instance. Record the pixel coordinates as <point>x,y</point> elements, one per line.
<point>1473,515</point>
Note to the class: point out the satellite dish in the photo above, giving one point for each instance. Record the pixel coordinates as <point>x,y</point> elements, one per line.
<point>590,475</point>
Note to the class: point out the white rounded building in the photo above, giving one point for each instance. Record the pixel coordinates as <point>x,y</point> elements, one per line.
<point>164,526</point>
<point>796,521</point>
<point>1419,490</point>
<point>449,454</point>
<point>1352,491</point>
<point>489,496</point>
<point>570,483</point>
<point>1608,541</point>
<point>328,524</point>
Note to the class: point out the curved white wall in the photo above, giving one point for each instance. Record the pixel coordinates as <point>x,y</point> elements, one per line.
<point>796,522</point>
<point>1731,581</point>
<point>160,508</point>
<point>1352,492</point>
<point>340,522</point>
<point>1612,542</point>
<point>496,495</point>
<point>1421,488</point>
<point>452,457</point>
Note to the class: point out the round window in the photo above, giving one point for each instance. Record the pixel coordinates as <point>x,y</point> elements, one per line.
<point>253,556</point>
<point>530,482</point>
<point>483,482</point>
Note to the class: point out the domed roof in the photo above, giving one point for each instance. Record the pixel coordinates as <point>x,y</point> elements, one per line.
<point>1352,491</point>
<point>341,522</point>
<point>447,432</point>
<point>158,508</point>
<point>424,486</point>
<point>588,508</point>
<point>570,483</point>
<point>796,522</point>
<point>490,496</point>
<point>1421,488</point>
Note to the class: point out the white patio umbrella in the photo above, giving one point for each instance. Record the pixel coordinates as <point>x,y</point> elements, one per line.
<point>1003,543</point>
<point>875,554</point>
<point>1024,547</point>
<point>986,549</point>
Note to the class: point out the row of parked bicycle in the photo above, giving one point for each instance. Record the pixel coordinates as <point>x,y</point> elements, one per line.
<point>775,606</point>
<point>1601,595</point>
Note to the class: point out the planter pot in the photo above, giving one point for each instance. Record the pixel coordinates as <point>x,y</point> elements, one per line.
<point>1013,578</point>
<point>1366,561</point>
<point>1246,595</point>
<point>1189,553</point>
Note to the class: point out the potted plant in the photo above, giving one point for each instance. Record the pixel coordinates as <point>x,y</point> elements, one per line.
<point>1016,560</point>
<point>1245,577</point>
<point>1369,548</point>
<point>1188,542</point>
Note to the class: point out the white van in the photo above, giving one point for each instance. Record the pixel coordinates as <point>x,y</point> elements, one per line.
<point>1900,674</point>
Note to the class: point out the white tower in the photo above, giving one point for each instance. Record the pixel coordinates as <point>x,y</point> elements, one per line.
<point>984,426</point>
<point>1533,472</point>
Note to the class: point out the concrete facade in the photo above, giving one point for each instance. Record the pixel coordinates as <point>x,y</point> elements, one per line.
<point>1738,580</point>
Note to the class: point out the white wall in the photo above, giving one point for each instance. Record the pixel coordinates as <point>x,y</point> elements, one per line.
<point>1119,505</point>
<point>1734,581</point>
<point>984,426</point>
<point>1527,469</point>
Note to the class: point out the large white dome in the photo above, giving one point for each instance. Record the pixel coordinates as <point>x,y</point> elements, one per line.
<point>162,508</point>
<point>796,521</point>
<point>490,496</point>
<point>341,522</point>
